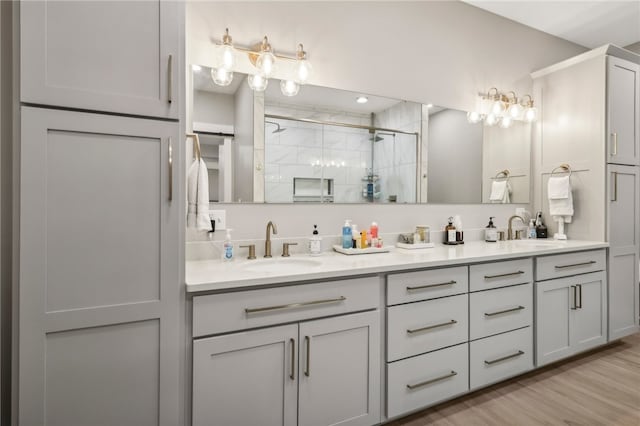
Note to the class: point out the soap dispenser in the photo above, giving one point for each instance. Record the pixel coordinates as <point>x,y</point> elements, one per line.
<point>450,233</point>
<point>227,247</point>
<point>491,232</point>
<point>315,242</point>
<point>346,234</point>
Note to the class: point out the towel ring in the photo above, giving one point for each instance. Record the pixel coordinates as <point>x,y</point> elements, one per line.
<point>504,173</point>
<point>196,145</point>
<point>564,167</point>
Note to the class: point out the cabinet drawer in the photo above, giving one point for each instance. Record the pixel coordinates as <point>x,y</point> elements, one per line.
<point>217,313</point>
<point>500,274</point>
<point>499,310</point>
<point>427,379</point>
<point>564,265</point>
<point>499,357</point>
<point>423,285</point>
<point>421,327</point>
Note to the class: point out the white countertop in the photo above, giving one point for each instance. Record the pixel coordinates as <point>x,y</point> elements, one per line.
<point>216,275</point>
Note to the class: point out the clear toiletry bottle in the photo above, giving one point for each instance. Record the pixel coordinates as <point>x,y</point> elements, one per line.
<point>346,234</point>
<point>531,230</point>
<point>227,247</point>
<point>491,232</point>
<point>355,236</point>
<point>315,242</point>
<point>457,222</point>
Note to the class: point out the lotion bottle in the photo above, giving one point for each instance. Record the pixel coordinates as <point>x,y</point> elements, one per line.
<point>491,232</point>
<point>346,234</point>
<point>227,247</point>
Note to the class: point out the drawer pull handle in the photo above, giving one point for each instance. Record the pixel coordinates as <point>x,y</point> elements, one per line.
<point>573,265</point>
<point>307,370</point>
<point>170,170</point>
<point>170,78</point>
<point>579,290</point>
<point>421,287</point>
<point>504,358</point>
<point>510,274</point>
<point>428,382</point>
<point>249,311</point>
<point>506,311</point>
<point>292,373</point>
<point>431,327</point>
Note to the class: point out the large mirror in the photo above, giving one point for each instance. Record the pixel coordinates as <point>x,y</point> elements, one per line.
<point>334,146</point>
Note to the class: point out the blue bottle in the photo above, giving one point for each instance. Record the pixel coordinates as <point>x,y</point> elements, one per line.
<point>346,235</point>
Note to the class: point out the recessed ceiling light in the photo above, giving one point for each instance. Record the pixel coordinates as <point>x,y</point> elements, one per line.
<point>196,68</point>
<point>362,99</point>
<point>429,105</point>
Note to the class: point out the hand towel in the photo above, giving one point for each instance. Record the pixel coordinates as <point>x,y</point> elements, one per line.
<point>500,192</point>
<point>560,198</point>
<point>198,196</point>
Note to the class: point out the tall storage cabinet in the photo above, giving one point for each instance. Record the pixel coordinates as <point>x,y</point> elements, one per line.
<point>100,299</point>
<point>590,119</point>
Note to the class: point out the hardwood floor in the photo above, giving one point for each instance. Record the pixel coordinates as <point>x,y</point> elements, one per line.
<point>601,387</point>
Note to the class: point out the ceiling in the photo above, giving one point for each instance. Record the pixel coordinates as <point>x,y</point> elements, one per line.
<point>587,23</point>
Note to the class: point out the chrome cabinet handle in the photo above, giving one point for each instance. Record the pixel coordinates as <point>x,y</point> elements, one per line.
<point>421,287</point>
<point>492,314</point>
<point>431,327</point>
<point>428,382</point>
<point>579,291</point>
<point>615,186</point>
<point>249,311</point>
<point>573,265</point>
<point>170,76</point>
<point>292,373</point>
<point>510,274</point>
<point>615,144</point>
<point>307,368</point>
<point>504,358</point>
<point>573,297</point>
<point>170,170</point>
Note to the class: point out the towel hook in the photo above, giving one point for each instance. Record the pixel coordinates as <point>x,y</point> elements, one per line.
<point>505,174</point>
<point>196,145</point>
<point>564,167</point>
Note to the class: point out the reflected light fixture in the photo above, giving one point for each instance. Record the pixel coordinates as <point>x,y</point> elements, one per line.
<point>505,122</point>
<point>474,117</point>
<point>495,107</point>
<point>491,119</point>
<point>515,109</point>
<point>530,112</point>
<point>429,105</point>
<point>265,60</point>
<point>196,68</point>
<point>362,99</point>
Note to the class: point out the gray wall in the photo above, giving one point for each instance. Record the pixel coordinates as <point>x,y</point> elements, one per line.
<point>213,108</point>
<point>635,47</point>
<point>243,144</point>
<point>454,159</point>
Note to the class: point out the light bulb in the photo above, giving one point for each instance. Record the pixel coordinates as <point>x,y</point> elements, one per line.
<point>506,122</point>
<point>530,114</point>
<point>491,119</point>
<point>257,82</point>
<point>515,110</point>
<point>226,57</point>
<point>474,117</point>
<point>221,76</point>
<point>498,107</point>
<point>266,63</point>
<point>289,87</point>
<point>303,70</point>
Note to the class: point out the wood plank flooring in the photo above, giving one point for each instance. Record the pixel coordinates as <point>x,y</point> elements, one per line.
<point>601,387</point>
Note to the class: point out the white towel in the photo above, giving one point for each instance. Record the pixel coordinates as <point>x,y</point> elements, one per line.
<point>500,192</point>
<point>198,196</point>
<point>560,198</point>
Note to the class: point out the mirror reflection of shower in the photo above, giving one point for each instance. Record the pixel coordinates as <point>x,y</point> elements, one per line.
<point>278,128</point>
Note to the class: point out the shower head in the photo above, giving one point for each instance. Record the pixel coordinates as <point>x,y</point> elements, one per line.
<point>375,137</point>
<point>278,128</point>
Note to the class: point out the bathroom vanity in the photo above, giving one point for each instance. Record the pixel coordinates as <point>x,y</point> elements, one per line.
<point>360,340</point>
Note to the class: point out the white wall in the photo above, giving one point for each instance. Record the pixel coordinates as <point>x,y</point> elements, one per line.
<point>429,52</point>
<point>213,108</point>
<point>243,144</point>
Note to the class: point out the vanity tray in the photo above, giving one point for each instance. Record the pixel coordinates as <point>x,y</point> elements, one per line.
<point>368,250</point>
<point>415,246</point>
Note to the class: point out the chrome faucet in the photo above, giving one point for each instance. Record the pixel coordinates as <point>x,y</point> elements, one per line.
<point>267,243</point>
<point>510,229</point>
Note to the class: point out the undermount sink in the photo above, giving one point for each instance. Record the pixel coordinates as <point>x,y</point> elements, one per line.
<point>535,243</point>
<point>281,264</point>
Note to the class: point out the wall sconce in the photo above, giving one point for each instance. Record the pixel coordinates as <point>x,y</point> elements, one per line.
<point>265,62</point>
<point>496,108</point>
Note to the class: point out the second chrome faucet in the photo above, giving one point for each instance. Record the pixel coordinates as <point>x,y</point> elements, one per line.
<point>267,244</point>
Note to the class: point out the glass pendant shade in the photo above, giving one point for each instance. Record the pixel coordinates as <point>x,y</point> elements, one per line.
<point>498,108</point>
<point>266,63</point>
<point>226,57</point>
<point>515,110</point>
<point>474,117</point>
<point>302,70</point>
<point>289,87</point>
<point>506,122</point>
<point>530,114</point>
<point>491,119</point>
<point>221,76</point>
<point>257,82</point>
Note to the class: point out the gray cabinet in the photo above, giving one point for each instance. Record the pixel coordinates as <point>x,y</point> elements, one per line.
<point>623,211</point>
<point>102,55</point>
<point>99,259</point>
<point>571,316</point>
<point>623,111</point>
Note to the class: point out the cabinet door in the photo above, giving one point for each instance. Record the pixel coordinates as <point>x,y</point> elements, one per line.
<point>623,110</point>
<point>589,318</point>
<point>554,300</point>
<point>246,378</point>
<point>99,294</point>
<point>116,56</point>
<point>624,239</point>
<point>340,371</point>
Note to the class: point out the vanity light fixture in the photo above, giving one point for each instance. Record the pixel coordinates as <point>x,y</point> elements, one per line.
<point>362,99</point>
<point>495,107</point>
<point>266,62</point>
